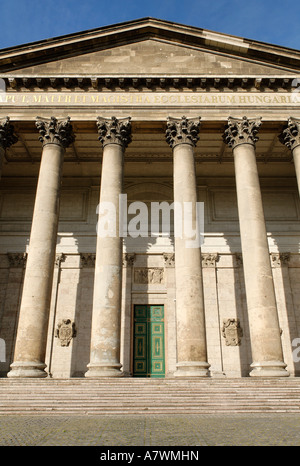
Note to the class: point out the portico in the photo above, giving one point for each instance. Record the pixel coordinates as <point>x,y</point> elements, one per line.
<point>228,307</point>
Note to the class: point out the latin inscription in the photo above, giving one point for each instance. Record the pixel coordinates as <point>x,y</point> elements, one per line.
<point>143,99</point>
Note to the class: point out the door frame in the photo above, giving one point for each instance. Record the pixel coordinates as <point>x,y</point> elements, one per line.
<point>133,335</point>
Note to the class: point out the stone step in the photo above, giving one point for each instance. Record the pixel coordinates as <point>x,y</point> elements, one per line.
<point>140,396</point>
<point>133,394</point>
<point>103,388</point>
<point>146,389</point>
<point>67,406</point>
<point>147,410</point>
<point>151,380</point>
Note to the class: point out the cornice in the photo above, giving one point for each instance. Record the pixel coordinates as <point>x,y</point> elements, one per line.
<point>150,83</point>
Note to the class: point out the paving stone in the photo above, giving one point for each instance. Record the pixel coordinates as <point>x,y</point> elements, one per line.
<point>151,430</point>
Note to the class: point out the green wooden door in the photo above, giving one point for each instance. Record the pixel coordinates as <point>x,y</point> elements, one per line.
<point>149,343</point>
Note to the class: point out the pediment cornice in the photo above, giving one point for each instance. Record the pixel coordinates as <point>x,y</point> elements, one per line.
<point>143,29</point>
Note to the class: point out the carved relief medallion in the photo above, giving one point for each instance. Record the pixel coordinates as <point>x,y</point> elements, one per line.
<point>232,332</point>
<point>65,331</point>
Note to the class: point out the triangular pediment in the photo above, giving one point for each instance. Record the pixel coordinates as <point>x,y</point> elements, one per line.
<point>151,57</point>
<point>148,47</point>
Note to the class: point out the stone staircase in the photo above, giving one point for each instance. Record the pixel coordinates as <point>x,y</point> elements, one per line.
<point>80,396</point>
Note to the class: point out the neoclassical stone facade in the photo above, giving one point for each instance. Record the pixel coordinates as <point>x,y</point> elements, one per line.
<point>121,130</point>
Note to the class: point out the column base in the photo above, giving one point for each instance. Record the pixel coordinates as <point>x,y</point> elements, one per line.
<point>192,369</point>
<point>27,369</point>
<point>269,369</point>
<point>101,370</point>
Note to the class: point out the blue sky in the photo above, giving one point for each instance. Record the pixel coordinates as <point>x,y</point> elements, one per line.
<point>273,21</point>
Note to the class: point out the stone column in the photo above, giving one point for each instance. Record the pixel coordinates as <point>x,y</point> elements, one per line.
<point>7,138</point>
<point>290,136</point>
<point>106,321</point>
<point>182,136</point>
<point>240,135</point>
<point>29,358</point>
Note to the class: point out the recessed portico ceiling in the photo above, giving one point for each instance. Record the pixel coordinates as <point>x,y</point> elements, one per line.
<point>148,144</point>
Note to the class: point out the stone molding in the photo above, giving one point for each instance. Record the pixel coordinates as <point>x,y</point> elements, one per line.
<point>241,131</point>
<point>87,259</point>
<point>182,131</point>
<point>17,259</point>
<point>290,135</point>
<point>209,260</point>
<point>128,259</point>
<point>54,131</point>
<point>59,258</point>
<point>7,136</point>
<point>169,259</point>
<point>280,259</point>
<point>238,259</point>
<point>114,131</point>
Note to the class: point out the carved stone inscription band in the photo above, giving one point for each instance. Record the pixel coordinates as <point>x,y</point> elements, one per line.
<point>267,355</point>
<point>29,359</point>
<point>115,135</point>
<point>182,136</point>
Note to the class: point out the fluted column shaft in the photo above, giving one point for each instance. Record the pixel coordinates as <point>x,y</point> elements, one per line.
<point>182,136</point>
<point>7,138</point>
<point>290,136</point>
<point>261,302</point>
<point>29,357</point>
<point>106,319</point>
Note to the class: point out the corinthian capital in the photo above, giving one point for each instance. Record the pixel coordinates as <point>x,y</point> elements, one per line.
<point>290,135</point>
<point>241,131</point>
<point>7,136</point>
<point>182,131</point>
<point>114,131</point>
<point>54,131</point>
